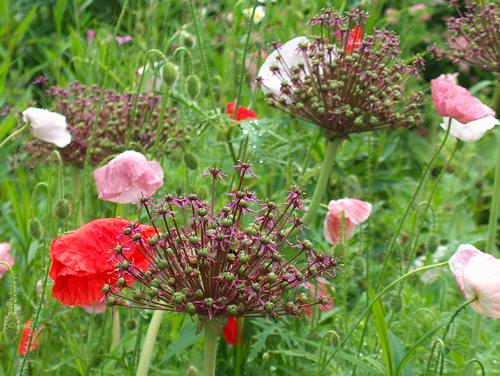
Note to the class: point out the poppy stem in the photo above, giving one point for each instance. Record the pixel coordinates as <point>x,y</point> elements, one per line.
<point>324,176</point>
<point>322,366</point>
<point>149,342</point>
<point>12,135</point>
<point>210,347</point>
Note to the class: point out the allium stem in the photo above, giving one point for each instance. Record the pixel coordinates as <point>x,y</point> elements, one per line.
<point>12,135</point>
<point>115,330</point>
<point>210,347</point>
<point>149,342</point>
<point>324,176</point>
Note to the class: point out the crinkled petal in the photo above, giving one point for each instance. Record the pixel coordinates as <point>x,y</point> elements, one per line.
<point>471,131</point>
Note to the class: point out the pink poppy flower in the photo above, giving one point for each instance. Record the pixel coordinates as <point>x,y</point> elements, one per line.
<point>95,308</point>
<point>452,100</point>
<point>123,39</point>
<point>477,275</point>
<point>90,36</point>
<point>354,213</point>
<point>5,257</point>
<point>470,119</point>
<point>319,290</point>
<point>128,177</point>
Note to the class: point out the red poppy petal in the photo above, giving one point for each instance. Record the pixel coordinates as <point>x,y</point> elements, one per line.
<point>89,248</point>
<point>242,114</point>
<point>231,331</point>
<point>80,290</point>
<point>25,337</point>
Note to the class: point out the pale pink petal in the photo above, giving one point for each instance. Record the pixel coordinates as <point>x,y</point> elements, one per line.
<point>451,100</point>
<point>354,212</point>
<point>459,260</point>
<point>123,39</point>
<point>127,178</point>
<point>482,281</point>
<point>471,131</point>
<point>95,308</point>
<point>5,256</point>
<point>90,36</point>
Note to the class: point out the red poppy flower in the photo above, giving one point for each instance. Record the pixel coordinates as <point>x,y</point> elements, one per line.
<point>25,338</point>
<point>83,261</point>
<point>353,40</point>
<point>231,331</point>
<point>243,113</point>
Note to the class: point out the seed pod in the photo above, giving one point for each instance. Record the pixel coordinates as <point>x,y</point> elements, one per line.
<point>192,86</point>
<point>187,39</point>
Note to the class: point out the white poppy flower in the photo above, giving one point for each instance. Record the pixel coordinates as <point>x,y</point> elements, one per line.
<point>289,56</point>
<point>471,131</point>
<point>260,13</point>
<point>47,126</point>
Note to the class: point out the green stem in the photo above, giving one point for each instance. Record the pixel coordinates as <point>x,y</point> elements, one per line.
<point>149,342</point>
<point>34,324</point>
<point>454,316</point>
<point>492,227</point>
<point>12,135</point>
<point>115,330</point>
<point>388,255</point>
<point>367,310</point>
<point>210,347</point>
<point>323,179</point>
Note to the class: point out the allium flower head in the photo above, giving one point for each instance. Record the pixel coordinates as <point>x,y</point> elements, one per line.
<point>473,36</point>
<point>341,80</point>
<point>220,263</point>
<point>80,106</point>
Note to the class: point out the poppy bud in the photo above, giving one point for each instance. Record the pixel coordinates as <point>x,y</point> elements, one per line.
<point>169,73</point>
<point>192,371</point>
<point>131,324</point>
<point>192,86</point>
<point>190,161</point>
<point>35,228</point>
<point>62,209</point>
<point>11,326</point>
<point>187,39</point>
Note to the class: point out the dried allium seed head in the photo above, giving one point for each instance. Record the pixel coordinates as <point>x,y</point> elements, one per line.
<point>474,36</point>
<point>341,80</point>
<point>80,105</point>
<point>221,263</point>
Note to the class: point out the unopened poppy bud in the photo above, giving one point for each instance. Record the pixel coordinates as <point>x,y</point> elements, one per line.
<point>131,324</point>
<point>192,86</point>
<point>169,73</point>
<point>265,357</point>
<point>62,209</point>
<point>35,228</point>
<point>187,39</point>
<point>11,326</point>
<point>192,371</point>
<point>190,160</point>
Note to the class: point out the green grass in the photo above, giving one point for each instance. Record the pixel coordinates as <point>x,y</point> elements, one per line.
<point>48,37</point>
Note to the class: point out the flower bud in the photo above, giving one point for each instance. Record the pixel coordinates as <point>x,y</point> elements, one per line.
<point>192,86</point>
<point>131,324</point>
<point>169,73</point>
<point>35,228</point>
<point>11,326</point>
<point>190,161</point>
<point>62,209</point>
<point>192,371</point>
<point>187,39</point>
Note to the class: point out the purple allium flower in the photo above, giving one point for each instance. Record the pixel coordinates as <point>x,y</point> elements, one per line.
<point>230,262</point>
<point>116,116</point>
<point>341,80</point>
<point>474,36</point>
<point>40,80</point>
